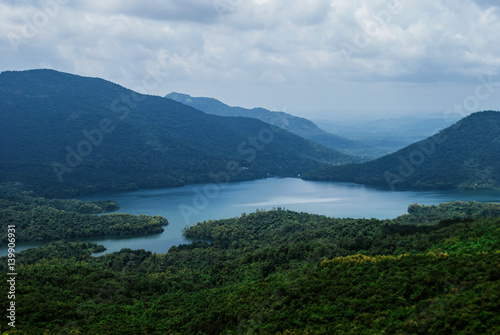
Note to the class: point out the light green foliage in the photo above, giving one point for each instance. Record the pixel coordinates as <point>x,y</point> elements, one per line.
<point>276,272</point>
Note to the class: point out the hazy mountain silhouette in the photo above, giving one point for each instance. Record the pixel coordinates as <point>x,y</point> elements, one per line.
<point>297,125</point>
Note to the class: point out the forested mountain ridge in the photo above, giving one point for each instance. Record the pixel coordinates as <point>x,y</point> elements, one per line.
<point>63,134</point>
<point>390,134</point>
<point>465,155</point>
<point>295,124</point>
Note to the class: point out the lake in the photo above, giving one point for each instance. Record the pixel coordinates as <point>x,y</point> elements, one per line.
<point>188,205</point>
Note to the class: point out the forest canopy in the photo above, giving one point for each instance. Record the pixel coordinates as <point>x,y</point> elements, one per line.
<point>277,272</point>
<point>41,219</point>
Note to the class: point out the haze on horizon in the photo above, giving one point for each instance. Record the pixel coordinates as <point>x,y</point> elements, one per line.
<point>320,59</point>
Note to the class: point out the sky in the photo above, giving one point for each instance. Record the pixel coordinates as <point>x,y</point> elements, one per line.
<point>321,59</point>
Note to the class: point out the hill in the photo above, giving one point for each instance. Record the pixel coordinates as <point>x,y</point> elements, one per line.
<point>276,272</point>
<point>63,134</point>
<point>465,155</point>
<point>297,125</point>
<point>389,134</point>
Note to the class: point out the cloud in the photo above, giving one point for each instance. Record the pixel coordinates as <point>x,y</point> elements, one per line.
<point>202,45</point>
<point>487,3</point>
<point>272,77</point>
<point>423,35</point>
<point>194,11</point>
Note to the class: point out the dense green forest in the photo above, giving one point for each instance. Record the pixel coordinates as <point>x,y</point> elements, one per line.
<point>465,155</point>
<point>41,219</point>
<point>62,135</point>
<point>15,196</point>
<point>297,125</point>
<point>277,272</point>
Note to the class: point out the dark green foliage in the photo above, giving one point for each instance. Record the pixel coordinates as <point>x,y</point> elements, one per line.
<point>40,219</point>
<point>297,125</point>
<point>15,198</point>
<point>451,211</point>
<point>465,155</point>
<point>276,272</point>
<point>46,224</point>
<point>62,134</point>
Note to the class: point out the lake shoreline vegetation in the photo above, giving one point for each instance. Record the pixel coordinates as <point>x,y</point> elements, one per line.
<point>433,270</point>
<point>40,219</point>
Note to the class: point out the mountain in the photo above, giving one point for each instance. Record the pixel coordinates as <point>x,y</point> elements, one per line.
<point>389,134</point>
<point>63,134</point>
<point>465,155</point>
<point>297,125</point>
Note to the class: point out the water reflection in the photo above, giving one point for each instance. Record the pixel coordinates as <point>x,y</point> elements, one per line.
<point>194,203</point>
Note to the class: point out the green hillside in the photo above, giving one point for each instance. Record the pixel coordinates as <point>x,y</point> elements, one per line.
<point>465,155</point>
<point>389,134</point>
<point>62,134</point>
<point>297,125</point>
<point>276,272</point>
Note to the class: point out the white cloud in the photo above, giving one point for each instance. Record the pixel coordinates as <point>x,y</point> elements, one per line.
<point>309,45</point>
<point>195,11</point>
<point>272,77</point>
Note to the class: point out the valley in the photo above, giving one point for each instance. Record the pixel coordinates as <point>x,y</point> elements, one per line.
<point>193,223</point>
<point>191,204</point>
<point>254,167</point>
<point>465,155</point>
<point>150,141</point>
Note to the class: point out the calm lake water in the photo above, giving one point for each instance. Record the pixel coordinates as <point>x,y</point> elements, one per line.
<point>188,205</point>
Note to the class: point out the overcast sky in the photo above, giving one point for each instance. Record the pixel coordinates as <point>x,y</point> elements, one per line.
<point>314,58</point>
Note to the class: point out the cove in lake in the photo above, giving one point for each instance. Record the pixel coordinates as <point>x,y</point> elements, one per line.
<point>188,205</point>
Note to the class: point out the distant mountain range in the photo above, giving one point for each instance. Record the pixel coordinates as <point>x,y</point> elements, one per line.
<point>297,125</point>
<point>389,134</point>
<point>465,155</point>
<point>63,134</point>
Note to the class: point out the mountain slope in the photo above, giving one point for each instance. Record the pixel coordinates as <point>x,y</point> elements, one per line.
<point>66,134</point>
<point>297,125</point>
<point>389,134</point>
<point>465,155</point>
